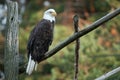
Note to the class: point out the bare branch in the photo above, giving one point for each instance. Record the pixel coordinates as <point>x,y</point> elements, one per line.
<point>77,46</point>
<point>114,71</point>
<point>81,33</point>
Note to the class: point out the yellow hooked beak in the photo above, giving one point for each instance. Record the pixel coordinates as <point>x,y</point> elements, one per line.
<point>54,13</point>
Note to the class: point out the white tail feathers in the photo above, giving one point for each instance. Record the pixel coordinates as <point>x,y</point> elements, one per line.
<point>31,65</point>
<point>36,66</point>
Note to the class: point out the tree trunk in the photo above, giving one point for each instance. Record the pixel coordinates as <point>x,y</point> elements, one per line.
<point>11,42</point>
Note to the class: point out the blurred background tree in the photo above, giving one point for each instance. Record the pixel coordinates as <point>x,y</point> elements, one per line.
<point>99,49</point>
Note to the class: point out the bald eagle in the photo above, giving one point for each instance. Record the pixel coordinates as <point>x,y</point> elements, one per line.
<point>40,39</point>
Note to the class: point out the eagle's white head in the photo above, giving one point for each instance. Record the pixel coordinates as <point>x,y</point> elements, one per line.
<point>50,15</point>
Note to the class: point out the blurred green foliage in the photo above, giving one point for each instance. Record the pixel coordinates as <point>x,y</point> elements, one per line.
<point>61,65</point>
<point>99,49</point>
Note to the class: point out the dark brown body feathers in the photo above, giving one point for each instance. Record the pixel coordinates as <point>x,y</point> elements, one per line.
<point>40,39</point>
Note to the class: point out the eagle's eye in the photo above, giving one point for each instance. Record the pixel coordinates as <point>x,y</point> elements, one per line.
<point>50,12</point>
